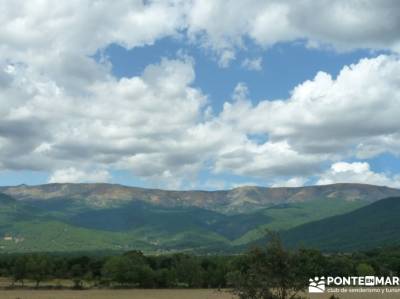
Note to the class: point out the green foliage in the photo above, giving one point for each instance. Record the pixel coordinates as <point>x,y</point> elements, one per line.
<point>368,227</point>
<point>129,269</point>
<point>272,273</point>
<point>39,268</point>
<point>19,269</point>
<point>165,278</point>
<point>77,275</point>
<point>215,271</point>
<point>286,216</point>
<point>365,269</point>
<point>189,271</point>
<point>71,225</point>
<point>253,275</point>
<point>120,269</point>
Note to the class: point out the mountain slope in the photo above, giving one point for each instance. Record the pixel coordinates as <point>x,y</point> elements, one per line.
<point>11,210</point>
<point>65,225</point>
<point>374,225</point>
<point>46,218</point>
<point>286,216</point>
<point>25,228</point>
<point>238,200</point>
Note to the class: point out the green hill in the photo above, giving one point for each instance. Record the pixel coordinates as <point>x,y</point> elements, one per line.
<point>372,226</point>
<point>286,216</point>
<point>65,225</point>
<point>44,218</point>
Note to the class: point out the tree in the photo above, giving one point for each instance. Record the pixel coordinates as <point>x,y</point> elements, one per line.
<point>77,275</point>
<point>120,269</point>
<point>165,278</point>
<point>272,273</point>
<point>189,270</point>
<point>146,276</point>
<point>340,265</point>
<point>365,269</point>
<point>216,270</point>
<point>19,270</point>
<point>39,268</point>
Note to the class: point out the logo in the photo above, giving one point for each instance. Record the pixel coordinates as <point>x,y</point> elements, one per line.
<point>317,285</point>
<point>369,281</point>
<point>330,284</point>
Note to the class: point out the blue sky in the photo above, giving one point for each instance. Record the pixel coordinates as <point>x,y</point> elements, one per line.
<point>183,103</point>
<point>284,66</point>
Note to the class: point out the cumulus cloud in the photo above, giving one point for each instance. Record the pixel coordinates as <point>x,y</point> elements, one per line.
<point>268,160</point>
<point>73,175</point>
<point>62,111</point>
<point>131,123</point>
<point>357,172</point>
<point>223,26</point>
<point>329,116</point>
<point>39,31</point>
<point>156,125</point>
<point>90,24</point>
<point>292,182</point>
<point>325,119</point>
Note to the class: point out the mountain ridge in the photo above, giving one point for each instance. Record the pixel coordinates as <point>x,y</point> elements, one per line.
<point>236,200</point>
<point>62,217</point>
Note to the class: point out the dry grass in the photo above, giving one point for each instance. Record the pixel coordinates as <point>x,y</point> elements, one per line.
<point>154,294</point>
<point>115,294</point>
<point>356,296</point>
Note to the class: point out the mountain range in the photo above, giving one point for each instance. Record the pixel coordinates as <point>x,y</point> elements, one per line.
<point>98,217</point>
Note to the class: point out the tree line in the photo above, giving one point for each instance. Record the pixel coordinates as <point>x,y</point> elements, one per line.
<point>130,269</point>
<point>258,273</point>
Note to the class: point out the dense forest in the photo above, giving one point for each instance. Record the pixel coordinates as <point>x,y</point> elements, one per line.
<point>134,269</point>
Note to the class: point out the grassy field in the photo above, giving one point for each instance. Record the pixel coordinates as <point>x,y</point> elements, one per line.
<point>154,294</point>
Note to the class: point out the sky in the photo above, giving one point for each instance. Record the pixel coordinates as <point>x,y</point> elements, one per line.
<point>200,94</point>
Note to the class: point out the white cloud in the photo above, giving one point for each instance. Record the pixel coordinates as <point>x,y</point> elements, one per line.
<point>36,32</point>
<point>144,120</point>
<point>292,182</point>
<point>353,113</point>
<point>58,38</point>
<point>63,112</point>
<point>157,125</point>
<point>252,64</point>
<point>325,119</point>
<point>223,26</point>
<point>357,172</point>
<point>73,175</point>
<point>46,25</point>
<point>268,160</point>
